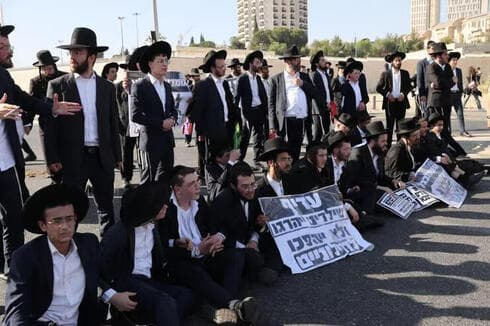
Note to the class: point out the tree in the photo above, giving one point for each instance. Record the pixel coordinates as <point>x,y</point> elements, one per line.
<point>207,44</point>
<point>192,43</point>
<point>235,43</point>
<point>281,37</point>
<point>447,39</point>
<point>201,39</point>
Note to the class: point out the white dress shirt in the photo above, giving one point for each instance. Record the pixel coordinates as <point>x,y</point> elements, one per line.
<point>357,92</point>
<point>88,96</point>
<point>395,92</point>
<point>267,86</point>
<point>255,235</point>
<point>7,159</point>
<point>222,94</point>
<point>455,88</point>
<point>186,219</point>
<point>325,84</point>
<point>374,158</point>
<point>68,287</point>
<point>337,169</point>
<point>254,86</point>
<point>160,88</point>
<point>276,185</point>
<point>143,246</point>
<point>297,106</point>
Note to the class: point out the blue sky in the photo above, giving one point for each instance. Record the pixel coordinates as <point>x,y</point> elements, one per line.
<point>41,24</point>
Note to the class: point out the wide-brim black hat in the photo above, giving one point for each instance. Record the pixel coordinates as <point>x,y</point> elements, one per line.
<point>141,205</point>
<point>272,147</point>
<point>336,138</point>
<point>83,37</point>
<point>390,57</point>
<point>265,63</point>
<point>5,30</point>
<point>362,116</point>
<point>125,65</point>
<point>292,52</point>
<point>316,57</point>
<point>44,58</point>
<point>407,126</point>
<point>49,197</point>
<point>341,64</point>
<point>434,117</point>
<point>108,66</point>
<point>376,128</point>
<point>235,62</point>
<point>218,147</point>
<point>210,58</point>
<point>353,65</point>
<point>195,72</point>
<point>456,55</point>
<point>134,58</point>
<point>437,48</point>
<point>347,120</point>
<point>160,47</point>
<point>250,58</point>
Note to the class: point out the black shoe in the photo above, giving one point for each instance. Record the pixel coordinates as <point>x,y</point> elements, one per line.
<point>268,276</point>
<point>474,178</point>
<point>30,157</point>
<point>222,316</point>
<point>465,134</point>
<point>248,310</point>
<point>127,184</point>
<point>368,222</point>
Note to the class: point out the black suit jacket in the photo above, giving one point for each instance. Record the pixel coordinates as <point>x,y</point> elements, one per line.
<point>244,95</point>
<point>398,163</point>
<point>30,285</point>
<point>208,111</point>
<point>278,99</point>
<point>122,98</point>
<point>349,97</point>
<point>422,85</point>
<point>305,177</point>
<point>319,102</point>
<point>64,135</point>
<point>264,189</point>
<point>441,81</point>
<point>217,179</point>
<point>459,75</point>
<point>385,86</point>
<point>149,113</point>
<point>229,217</point>
<point>355,137</point>
<point>117,255</point>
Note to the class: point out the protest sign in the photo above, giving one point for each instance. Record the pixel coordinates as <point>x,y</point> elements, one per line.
<point>403,202</point>
<point>312,229</point>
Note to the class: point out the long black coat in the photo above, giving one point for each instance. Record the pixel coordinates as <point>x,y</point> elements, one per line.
<point>439,82</point>
<point>385,86</point>
<point>30,286</point>
<point>64,135</point>
<point>305,177</point>
<point>244,95</point>
<point>349,97</point>
<point>398,163</point>
<point>319,102</point>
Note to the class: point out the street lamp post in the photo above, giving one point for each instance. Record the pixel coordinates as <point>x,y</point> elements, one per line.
<point>155,20</point>
<point>122,35</point>
<point>61,51</point>
<point>136,14</point>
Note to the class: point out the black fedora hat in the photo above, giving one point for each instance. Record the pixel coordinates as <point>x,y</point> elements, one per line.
<point>362,116</point>
<point>160,47</point>
<point>108,66</point>
<point>52,196</point>
<point>341,64</point>
<point>134,58</point>
<point>125,65</point>
<point>272,147</point>
<point>346,119</point>
<point>390,57</point>
<point>437,48</point>
<point>195,72</point>
<point>455,55</point>
<point>250,58</point>
<point>434,117</point>
<point>316,57</point>
<point>210,58</point>
<point>353,65</point>
<point>5,30</point>
<point>336,138</point>
<point>83,37</point>
<point>219,147</point>
<point>407,126</point>
<point>375,128</point>
<point>265,64</point>
<point>140,205</point>
<point>235,62</point>
<point>44,58</point>
<point>292,52</point>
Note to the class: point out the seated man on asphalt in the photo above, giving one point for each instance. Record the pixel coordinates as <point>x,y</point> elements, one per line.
<point>343,122</point>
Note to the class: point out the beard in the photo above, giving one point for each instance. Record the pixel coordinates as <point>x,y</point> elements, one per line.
<point>80,68</point>
<point>7,63</point>
<point>378,150</point>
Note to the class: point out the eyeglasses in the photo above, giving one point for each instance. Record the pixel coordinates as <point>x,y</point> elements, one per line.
<point>249,187</point>
<point>59,221</point>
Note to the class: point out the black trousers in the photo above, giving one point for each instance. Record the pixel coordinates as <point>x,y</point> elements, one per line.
<point>102,182</point>
<point>154,165</point>
<point>158,302</point>
<point>293,132</point>
<point>253,125</point>
<point>320,125</point>
<point>254,261</point>
<point>128,145</point>
<point>215,279</point>
<point>394,113</point>
<point>270,252</point>
<point>366,198</point>
<point>11,206</point>
<point>201,157</point>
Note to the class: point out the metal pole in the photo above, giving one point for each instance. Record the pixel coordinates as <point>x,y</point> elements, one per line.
<point>136,14</point>
<point>122,35</point>
<point>155,19</point>
<point>61,51</point>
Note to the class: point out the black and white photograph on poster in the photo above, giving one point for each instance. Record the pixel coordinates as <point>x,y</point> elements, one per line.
<point>399,203</point>
<point>433,179</point>
<point>181,92</point>
<point>312,229</point>
<point>422,197</point>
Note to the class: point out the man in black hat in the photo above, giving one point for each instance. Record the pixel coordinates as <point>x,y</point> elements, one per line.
<point>12,166</point>
<point>364,180</point>
<point>251,97</point>
<point>440,81</point>
<point>264,73</point>
<point>400,161</point>
<point>290,101</point>
<point>320,111</point>
<point>342,122</point>
<point>394,85</point>
<point>358,134</point>
<point>354,92</point>
<point>198,257</point>
<point>213,108</point>
<point>337,83</point>
<point>133,259</point>
<point>53,278</point>
<point>109,72</point>
<point>153,108</point>
<point>457,92</point>
<point>221,159</point>
<point>236,72</point>
<point>195,76</point>
<point>422,85</point>
<point>86,146</point>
